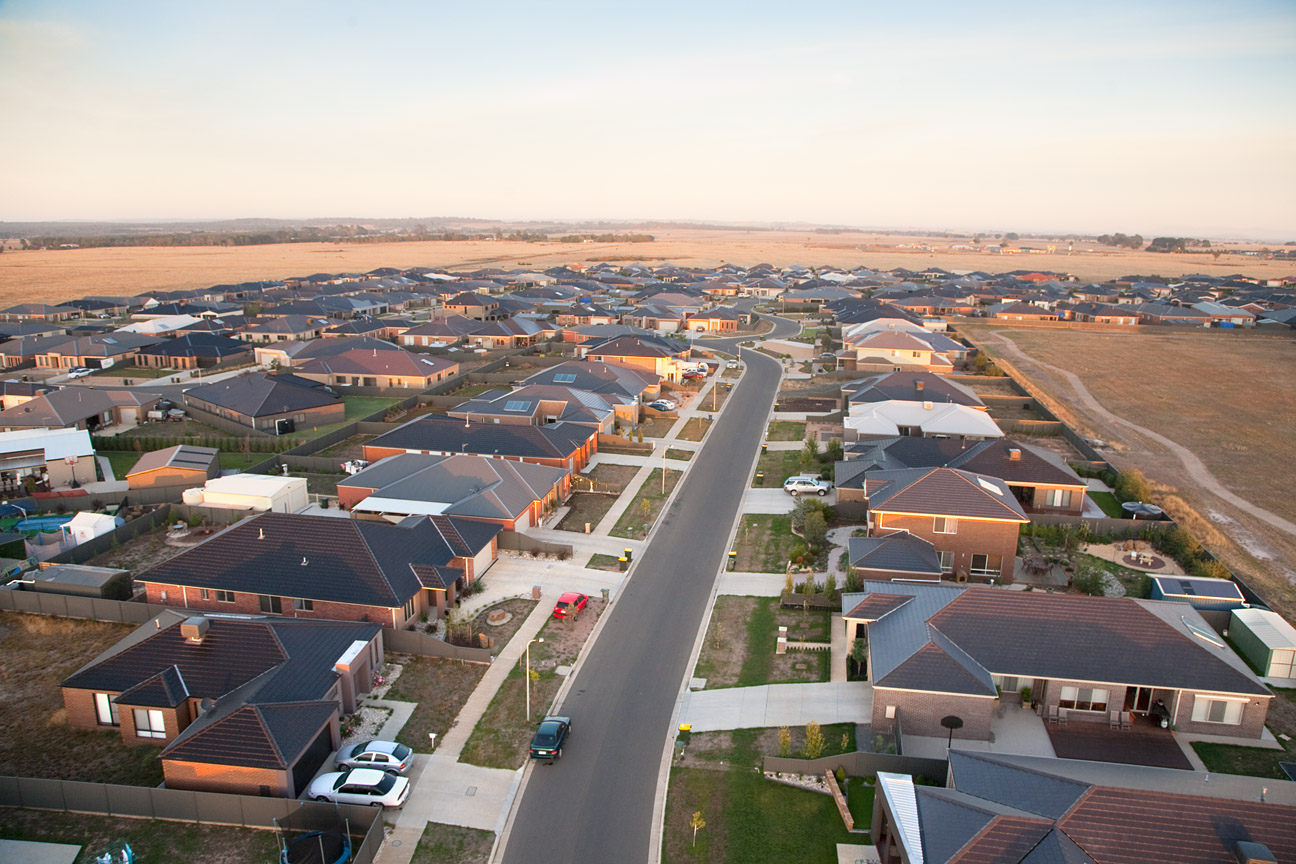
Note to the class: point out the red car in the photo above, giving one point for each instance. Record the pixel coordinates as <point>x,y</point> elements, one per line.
<point>570,603</point>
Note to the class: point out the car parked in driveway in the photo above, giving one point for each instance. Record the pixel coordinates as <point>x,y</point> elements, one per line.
<point>806,485</point>
<point>732,364</point>
<point>385,755</point>
<point>663,405</point>
<point>547,743</point>
<point>79,372</point>
<point>570,603</point>
<point>360,786</point>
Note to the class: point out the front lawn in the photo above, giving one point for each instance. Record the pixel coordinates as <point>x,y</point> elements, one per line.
<point>785,430</point>
<point>646,505</point>
<point>122,461</point>
<point>1250,761</point>
<point>778,465</point>
<point>764,542</point>
<point>599,561</point>
<point>694,429</point>
<point>153,841</point>
<point>440,687</point>
<point>453,844</point>
<point>748,818</point>
<point>681,455</point>
<point>739,649</point>
<point>1107,501</point>
<point>586,508</point>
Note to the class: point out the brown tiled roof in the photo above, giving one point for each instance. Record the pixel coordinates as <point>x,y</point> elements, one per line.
<point>1006,839</point>
<point>874,606</point>
<point>942,492</point>
<point>1126,826</point>
<point>166,689</point>
<point>254,736</point>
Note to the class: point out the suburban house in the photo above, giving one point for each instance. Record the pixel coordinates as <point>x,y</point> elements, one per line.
<point>284,327</point>
<point>39,312</point>
<point>1018,311</point>
<point>1041,480</point>
<point>935,650</point>
<point>184,466</point>
<point>17,392</point>
<point>470,304</point>
<point>1102,313</point>
<point>602,378</point>
<point>919,419</point>
<point>95,352</point>
<point>48,458</point>
<point>909,387</point>
<point>242,705</point>
<point>81,408</point>
<point>721,319</point>
<point>439,333</point>
<point>514,495</point>
<point>260,401</point>
<point>369,367</point>
<point>561,445</point>
<point>324,567</point>
<point>193,351</point>
<point>971,519</point>
<point>1164,313</point>
<point>543,404</point>
<point>661,357</point>
<point>374,328</point>
<point>1226,316</point>
<point>893,350</point>
<point>1029,810</point>
<point>899,555</point>
<point>513,332</point>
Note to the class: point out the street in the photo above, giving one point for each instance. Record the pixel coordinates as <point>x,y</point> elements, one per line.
<point>596,804</point>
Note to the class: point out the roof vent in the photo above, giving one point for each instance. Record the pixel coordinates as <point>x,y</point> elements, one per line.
<point>918,385</point>
<point>303,561</point>
<point>1014,454</point>
<point>260,533</point>
<point>194,629</point>
<point>927,406</point>
<point>1253,853</point>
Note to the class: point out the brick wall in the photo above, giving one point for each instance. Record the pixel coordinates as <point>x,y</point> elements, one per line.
<point>250,604</point>
<point>80,708</point>
<point>175,720</point>
<point>1253,718</point>
<point>1037,502</point>
<point>225,778</point>
<point>921,712</point>
<point>972,537</point>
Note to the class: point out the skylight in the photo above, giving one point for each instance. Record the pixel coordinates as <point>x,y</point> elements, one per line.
<point>1204,635</point>
<point>565,378</point>
<point>517,405</point>
<point>989,487</point>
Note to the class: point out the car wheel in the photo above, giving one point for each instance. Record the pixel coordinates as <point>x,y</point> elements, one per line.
<point>823,492</point>
<point>321,798</point>
<point>792,492</point>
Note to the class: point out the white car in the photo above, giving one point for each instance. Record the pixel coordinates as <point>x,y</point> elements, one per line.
<point>732,364</point>
<point>78,372</point>
<point>805,485</point>
<point>360,786</point>
<point>663,405</point>
<point>385,755</point>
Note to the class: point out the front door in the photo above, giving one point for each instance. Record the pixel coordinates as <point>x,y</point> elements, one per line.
<point>1138,699</point>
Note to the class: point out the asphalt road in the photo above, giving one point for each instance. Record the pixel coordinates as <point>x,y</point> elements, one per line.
<point>596,803</point>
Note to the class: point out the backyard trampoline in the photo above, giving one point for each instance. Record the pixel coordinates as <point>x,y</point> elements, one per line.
<point>314,834</point>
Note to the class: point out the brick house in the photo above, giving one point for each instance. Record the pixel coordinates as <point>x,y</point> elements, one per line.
<point>562,445</point>
<point>324,567</point>
<point>721,319</point>
<point>543,404</point>
<point>939,649</point>
<point>260,401</point>
<point>249,706</point>
<point>369,367</point>
<point>971,519</point>
<point>661,357</point>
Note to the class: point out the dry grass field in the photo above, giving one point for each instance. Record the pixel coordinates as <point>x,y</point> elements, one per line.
<point>53,275</point>
<point>1229,398</point>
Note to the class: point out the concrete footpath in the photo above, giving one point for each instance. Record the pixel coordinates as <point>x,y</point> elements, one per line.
<point>777,705</point>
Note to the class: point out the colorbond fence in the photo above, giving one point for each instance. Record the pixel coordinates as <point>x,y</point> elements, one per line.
<point>179,805</point>
<point>859,764</point>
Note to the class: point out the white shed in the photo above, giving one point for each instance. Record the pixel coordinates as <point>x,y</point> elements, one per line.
<point>256,492</point>
<point>87,526</point>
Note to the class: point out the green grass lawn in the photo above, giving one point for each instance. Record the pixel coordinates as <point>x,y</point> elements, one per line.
<point>121,461</point>
<point>599,561</point>
<point>681,455</point>
<point>778,465</point>
<point>748,818</point>
<point>694,429</point>
<point>764,542</point>
<point>1250,761</point>
<point>240,462</point>
<point>785,430</point>
<point>632,521</point>
<point>859,798</point>
<point>153,841</point>
<point>1107,501</point>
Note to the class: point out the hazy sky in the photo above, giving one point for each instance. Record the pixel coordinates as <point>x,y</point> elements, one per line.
<point>1156,118</point>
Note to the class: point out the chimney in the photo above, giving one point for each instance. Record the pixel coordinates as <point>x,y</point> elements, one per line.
<point>918,385</point>
<point>1014,454</point>
<point>195,629</point>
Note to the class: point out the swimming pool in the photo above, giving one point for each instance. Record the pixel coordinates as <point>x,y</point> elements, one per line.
<point>41,523</point>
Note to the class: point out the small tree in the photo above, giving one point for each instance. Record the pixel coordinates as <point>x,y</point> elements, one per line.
<point>815,530</point>
<point>645,507</point>
<point>785,741</point>
<point>810,454</point>
<point>788,587</point>
<point>859,655</point>
<point>845,742</point>
<point>814,741</point>
<point>246,446</point>
<point>830,585</point>
<point>639,435</point>
<point>697,823</point>
<point>834,452</point>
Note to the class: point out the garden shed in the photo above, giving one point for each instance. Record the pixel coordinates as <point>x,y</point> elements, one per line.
<point>1266,640</point>
<point>256,492</point>
<point>1198,593</point>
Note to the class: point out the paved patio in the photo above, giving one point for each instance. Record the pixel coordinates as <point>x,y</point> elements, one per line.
<point>1144,744</point>
<point>1018,731</point>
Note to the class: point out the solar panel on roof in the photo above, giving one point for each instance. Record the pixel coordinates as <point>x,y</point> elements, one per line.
<point>517,405</point>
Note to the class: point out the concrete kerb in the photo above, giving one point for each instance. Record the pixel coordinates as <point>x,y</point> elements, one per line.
<point>668,752</point>
<point>501,836</point>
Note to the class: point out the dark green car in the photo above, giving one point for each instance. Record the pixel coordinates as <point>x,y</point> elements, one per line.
<point>550,737</point>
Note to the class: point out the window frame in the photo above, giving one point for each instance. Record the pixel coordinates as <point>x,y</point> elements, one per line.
<point>945,524</point>
<point>1060,498</point>
<point>224,596</point>
<point>946,561</point>
<point>1204,706</point>
<point>271,604</point>
<point>986,569</point>
<point>1084,698</point>
<point>102,701</point>
<point>303,604</point>
<point>152,715</point>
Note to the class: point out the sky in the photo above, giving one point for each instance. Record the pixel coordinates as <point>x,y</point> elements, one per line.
<point>1140,117</point>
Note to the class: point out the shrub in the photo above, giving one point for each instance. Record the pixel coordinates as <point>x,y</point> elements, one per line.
<point>1089,579</point>
<point>785,741</point>
<point>814,741</point>
<point>1131,485</point>
<point>815,530</point>
<point>830,585</point>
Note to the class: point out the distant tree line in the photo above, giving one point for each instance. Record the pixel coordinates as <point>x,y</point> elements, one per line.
<point>332,234</point>
<point>1126,240</point>
<point>1176,244</point>
<point>606,238</point>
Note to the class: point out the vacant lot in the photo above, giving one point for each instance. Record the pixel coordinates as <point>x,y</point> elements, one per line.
<point>739,649</point>
<point>145,552</point>
<point>440,687</point>
<point>764,543</point>
<point>785,430</point>
<point>777,465</point>
<point>36,653</point>
<point>586,508</point>
<point>694,429</point>
<point>646,505</point>
<point>152,841</point>
<point>453,844</point>
<point>1223,396</point>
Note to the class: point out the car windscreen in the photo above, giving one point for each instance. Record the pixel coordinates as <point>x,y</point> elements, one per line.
<point>385,785</point>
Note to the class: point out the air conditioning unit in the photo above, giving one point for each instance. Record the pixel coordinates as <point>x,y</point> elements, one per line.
<point>194,629</point>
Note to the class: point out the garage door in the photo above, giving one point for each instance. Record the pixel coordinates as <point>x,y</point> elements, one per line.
<point>130,415</point>
<point>319,750</point>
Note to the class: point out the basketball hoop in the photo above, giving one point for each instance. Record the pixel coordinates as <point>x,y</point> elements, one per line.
<point>71,460</point>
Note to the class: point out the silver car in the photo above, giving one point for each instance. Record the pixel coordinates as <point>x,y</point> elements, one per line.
<point>385,755</point>
<point>360,786</point>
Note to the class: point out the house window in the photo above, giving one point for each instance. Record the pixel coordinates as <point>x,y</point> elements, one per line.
<point>303,605</point>
<point>1007,684</point>
<point>945,525</point>
<point>947,562</point>
<point>273,605</point>
<point>204,593</point>
<point>224,596</point>
<point>106,710</point>
<point>1057,498</point>
<point>1084,698</point>
<point>987,565</point>
<point>149,723</point>
<point>408,609</point>
<point>1207,710</point>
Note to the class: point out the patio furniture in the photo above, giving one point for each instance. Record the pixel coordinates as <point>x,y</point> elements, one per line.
<point>1126,720</point>
<point>1113,719</point>
<point>1062,716</point>
<point>1053,714</point>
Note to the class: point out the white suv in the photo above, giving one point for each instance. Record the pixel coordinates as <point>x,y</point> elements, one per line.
<point>802,484</point>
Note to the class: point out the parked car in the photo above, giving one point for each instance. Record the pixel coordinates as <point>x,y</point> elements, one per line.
<point>547,744</point>
<point>732,364</point>
<point>693,373</point>
<point>360,786</point>
<point>78,372</point>
<point>805,485</point>
<point>662,405</point>
<point>355,466</point>
<point>570,603</point>
<point>385,755</point>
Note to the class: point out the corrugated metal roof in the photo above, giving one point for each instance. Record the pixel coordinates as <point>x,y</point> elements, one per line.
<point>1269,627</point>
<point>899,793</point>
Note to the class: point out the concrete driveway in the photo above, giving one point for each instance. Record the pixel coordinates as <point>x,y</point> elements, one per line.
<point>767,501</point>
<point>512,577</point>
<point>778,705</point>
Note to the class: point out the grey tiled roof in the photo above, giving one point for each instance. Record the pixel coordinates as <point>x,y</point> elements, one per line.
<point>258,395</point>
<point>1032,791</point>
<point>446,435</point>
<point>900,552</point>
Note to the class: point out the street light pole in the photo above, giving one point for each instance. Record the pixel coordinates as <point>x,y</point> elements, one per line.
<point>528,677</point>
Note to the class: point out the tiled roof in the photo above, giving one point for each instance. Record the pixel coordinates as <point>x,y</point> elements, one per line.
<point>361,361</point>
<point>166,689</point>
<point>1031,791</point>
<point>253,736</point>
<point>875,605</point>
<point>446,435</point>
<point>179,456</point>
<point>942,492</point>
<point>900,552</point>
